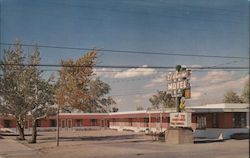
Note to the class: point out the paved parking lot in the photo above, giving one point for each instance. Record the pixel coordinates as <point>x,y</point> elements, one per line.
<point>108,143</point>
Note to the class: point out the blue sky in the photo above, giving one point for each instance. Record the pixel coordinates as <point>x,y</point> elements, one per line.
<point>170,26</point>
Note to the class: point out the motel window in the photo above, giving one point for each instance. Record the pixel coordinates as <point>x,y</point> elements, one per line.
<point>79,123</point>
<point>113,122</point>
<point>201,122</point>
<point>158,119</point>
<point>69,123</point>
<point>39,123</point>
<point>53,123</point>
<point>168,119</point>
<point>103,123</point>
<point>7,123</point>
<point>63,123</point>
<point>239,120</point>
<point>146,120</point>
<point>164,119</point>
<point>215,120</point>
<point>130,122</point>
<point>93,122</point>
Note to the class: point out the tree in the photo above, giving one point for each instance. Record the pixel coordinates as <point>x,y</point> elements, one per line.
<point>162,100</point>
<point>232,97</point>
<point>24,94</point>
<point>74,77</point>
<point>43,107</point>
<point>115,109</point>
<point>42,98</point>
<point>245,92</point>
<point>78,90</point>
<point>14,86</point>
<point>98,100</point>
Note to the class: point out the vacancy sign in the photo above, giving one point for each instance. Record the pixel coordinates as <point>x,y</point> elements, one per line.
<point>180,119</point>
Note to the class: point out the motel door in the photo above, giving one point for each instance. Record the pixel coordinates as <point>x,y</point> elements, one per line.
<point>103,123</point>
<point>63,123</point>
<point>69,123</point>
<point>107,123</point>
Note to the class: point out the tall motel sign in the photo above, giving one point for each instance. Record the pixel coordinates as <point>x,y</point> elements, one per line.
<point>178,85</point>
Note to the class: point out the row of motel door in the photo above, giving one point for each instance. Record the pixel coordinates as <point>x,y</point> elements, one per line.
<point>68,123</point>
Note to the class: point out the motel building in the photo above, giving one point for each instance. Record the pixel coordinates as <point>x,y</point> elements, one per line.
<point>208,121</point>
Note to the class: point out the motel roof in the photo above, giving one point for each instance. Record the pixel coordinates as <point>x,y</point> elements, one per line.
<point>222,107</point>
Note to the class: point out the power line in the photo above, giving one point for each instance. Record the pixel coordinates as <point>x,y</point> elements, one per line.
<point>128,51</point>
<point>222,64</point>
<point>229,63</point>
<point>158,71</point>
<point>128,67</point>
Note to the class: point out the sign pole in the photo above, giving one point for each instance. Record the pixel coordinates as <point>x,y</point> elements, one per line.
<point>179,86</point>
<point>177,102</point>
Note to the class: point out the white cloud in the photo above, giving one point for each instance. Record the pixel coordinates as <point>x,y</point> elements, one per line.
<point>215,91</point>
<point>233,85</point>
<point>105,72</point>
<point>135,72</point>
<point>196,95</point>
<point>119,100</point>
<point>194,79</point>
<point>147,96</point>
<point>137,100</point>
<point>142,98</point>
<point>159,80</point>
<point>217,76</point>
<point>212,77</point>
<point>194,66</point>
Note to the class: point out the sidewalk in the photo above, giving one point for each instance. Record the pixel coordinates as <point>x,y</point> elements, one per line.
<point>12,148</point>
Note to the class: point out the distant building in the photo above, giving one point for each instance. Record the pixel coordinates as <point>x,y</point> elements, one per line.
<point>208,121</point>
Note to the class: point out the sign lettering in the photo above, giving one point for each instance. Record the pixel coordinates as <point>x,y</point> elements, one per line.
<point>180,119</point>
<point>178,83</point>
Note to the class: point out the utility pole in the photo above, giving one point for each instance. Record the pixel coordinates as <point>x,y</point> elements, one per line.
<point>57,126</point>
<point>60,103</point>
<point>149,118</point>
<point>161,119</point>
